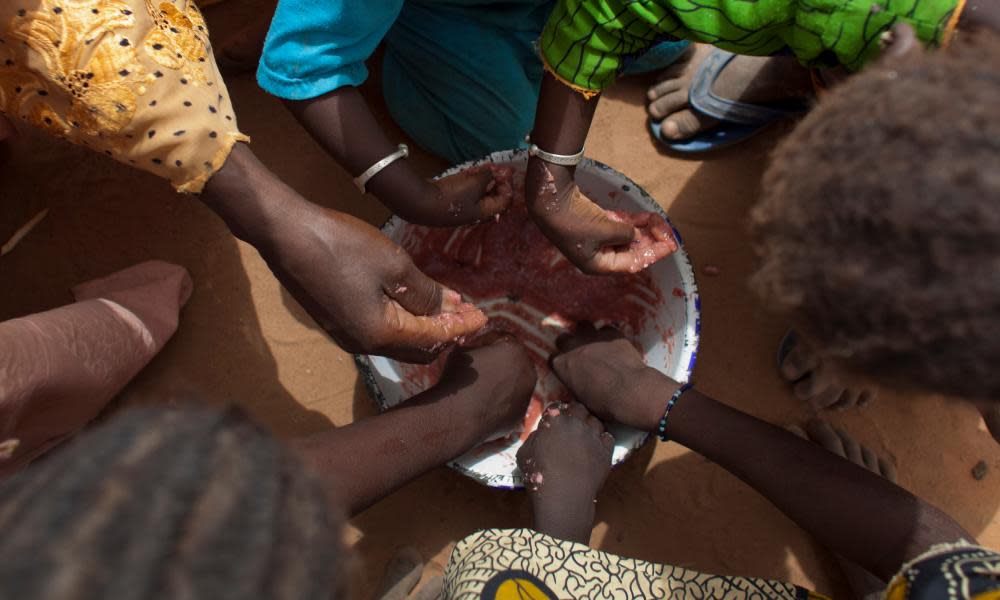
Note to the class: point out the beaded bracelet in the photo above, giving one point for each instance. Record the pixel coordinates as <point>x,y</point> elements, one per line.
<point>661,431</point>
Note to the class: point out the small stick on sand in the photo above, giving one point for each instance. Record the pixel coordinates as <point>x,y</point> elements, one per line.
<point>23,231</point>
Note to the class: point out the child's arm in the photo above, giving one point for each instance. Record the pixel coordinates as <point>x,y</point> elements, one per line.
<point>848,509</point>
<point>482,392</point>
<point>344,125</point>
<point>581,230</point>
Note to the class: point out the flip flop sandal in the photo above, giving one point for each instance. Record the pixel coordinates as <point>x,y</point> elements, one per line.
<point>738,120</point>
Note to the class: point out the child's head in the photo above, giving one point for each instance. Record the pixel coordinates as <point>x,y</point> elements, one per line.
<point>162,503</point>
<point>879,227</point>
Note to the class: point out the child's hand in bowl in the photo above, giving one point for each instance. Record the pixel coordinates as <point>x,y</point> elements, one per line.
<point>599,241</point>
<point>467,197</point>
<point>495,377</point>
<point>607,374</point>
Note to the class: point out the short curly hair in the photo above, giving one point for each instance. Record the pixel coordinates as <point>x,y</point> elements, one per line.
<point>879,227</point>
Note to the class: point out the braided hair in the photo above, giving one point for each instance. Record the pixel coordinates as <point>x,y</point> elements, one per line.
<point>167,503</point>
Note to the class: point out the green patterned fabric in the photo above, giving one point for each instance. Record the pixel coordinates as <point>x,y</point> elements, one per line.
<point>587,42</point>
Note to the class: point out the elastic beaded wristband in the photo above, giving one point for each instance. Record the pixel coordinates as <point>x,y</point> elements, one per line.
<point>661,431</point>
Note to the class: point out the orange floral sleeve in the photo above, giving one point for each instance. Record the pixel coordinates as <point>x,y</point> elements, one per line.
<point>134,79</point>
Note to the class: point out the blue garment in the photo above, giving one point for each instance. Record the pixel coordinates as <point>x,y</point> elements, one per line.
<point>461,77</point>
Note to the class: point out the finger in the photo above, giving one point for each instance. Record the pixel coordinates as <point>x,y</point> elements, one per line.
<point>820,432</point>
<point>583,334</point>
<point>417,293</point>
<point>608,441</point>
<point>578,411</point>
<point>595,424</point>
<point>429,333</point>
<point>499,192</point>
<point>657,227</point>
<point>463,191</point>
<point>525,462</point>
<point>633,258</point>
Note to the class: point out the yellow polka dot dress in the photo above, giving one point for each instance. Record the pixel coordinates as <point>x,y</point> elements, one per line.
<point>134,79</point>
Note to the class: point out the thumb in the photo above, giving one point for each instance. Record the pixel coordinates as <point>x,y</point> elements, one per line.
<point>607,229</point>
<point>415,292</point>
<point>430,333</point>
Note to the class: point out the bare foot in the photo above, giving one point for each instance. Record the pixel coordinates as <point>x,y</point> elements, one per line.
<point>817,381</point>
<point>836,440</point>
<point>756,79</point>
<point>565,463</point>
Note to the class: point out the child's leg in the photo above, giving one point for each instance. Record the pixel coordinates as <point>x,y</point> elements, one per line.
<point>462,87</point>
<point>481,393</point>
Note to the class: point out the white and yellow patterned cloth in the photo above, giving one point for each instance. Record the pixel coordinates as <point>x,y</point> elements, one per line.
<point>134,79</point>
<point>522,564</point>
<point>960,571</point>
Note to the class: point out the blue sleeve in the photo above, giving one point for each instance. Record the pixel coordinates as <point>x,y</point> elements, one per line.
<point>316,46</point>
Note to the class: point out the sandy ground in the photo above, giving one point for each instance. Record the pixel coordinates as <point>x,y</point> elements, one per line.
<point>243,340</point>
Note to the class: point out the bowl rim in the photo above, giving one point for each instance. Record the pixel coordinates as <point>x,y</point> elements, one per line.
<point>692,301</point>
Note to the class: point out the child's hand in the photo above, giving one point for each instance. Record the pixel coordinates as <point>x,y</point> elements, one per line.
<point>492,384</point>
<point>459,199</point>
<point>565,463</point>
<point>607,374</point>
<point>595,240</point>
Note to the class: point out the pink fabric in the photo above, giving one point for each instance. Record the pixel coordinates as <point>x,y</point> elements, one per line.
<point>59,368</point>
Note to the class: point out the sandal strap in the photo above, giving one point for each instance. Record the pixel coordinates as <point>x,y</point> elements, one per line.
<point>704,100</point>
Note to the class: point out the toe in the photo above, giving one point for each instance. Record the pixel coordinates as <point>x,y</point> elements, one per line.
<point>887,469</point>
<point>820,432</point>
<point>871,459</point>
<point>687,123</point>
<point>814,390</point>
<point>667,105</point>
<point>848,399</point>
<point>797,431</point>
<point>799,362</point>
<point>852,449</point>
<point>663,88</point>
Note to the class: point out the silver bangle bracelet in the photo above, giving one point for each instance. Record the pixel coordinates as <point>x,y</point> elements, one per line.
<point>361,181</point>
<point>564,160</point>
